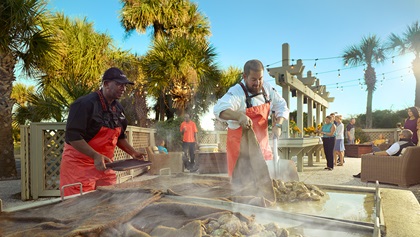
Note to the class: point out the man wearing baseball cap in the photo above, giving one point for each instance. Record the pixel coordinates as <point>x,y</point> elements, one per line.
<point>95,126</point>
<point>115,74</point>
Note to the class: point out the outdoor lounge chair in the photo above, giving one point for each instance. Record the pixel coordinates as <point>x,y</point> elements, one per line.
<point>400,170</point>
<point>172,160</point>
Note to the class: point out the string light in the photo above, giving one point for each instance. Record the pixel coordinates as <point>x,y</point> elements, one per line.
<point>346,64</point>
<point>329,58</point>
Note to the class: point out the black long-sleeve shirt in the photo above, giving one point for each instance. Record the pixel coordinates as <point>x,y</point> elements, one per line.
<point>87,116</point>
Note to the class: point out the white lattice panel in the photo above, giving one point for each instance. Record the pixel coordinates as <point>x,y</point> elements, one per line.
<point>52,149</point>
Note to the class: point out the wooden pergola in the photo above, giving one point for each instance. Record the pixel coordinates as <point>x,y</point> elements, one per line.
<point>306,89</point>
<point>309,91</point>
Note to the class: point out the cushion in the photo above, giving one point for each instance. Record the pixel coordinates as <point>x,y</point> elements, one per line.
<point>155,150</point>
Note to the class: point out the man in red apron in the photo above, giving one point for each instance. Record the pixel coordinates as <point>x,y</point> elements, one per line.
<point>249,104</point>
<point>95,126</point>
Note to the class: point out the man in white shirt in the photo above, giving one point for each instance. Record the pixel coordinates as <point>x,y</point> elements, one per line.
<point>249,104</point>
<point>397,148</point>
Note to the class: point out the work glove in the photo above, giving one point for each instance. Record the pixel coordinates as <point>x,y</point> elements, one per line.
<point>276,131</point>
<point>245,121</point>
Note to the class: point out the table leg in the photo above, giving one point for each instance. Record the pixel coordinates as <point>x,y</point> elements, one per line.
<point>311,159</point>
<point>300,162</point>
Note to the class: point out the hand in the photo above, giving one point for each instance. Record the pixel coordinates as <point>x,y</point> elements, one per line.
<point>139,155</point>
<point>99,161</point>
<point>245,121</point>
<point>276,131</point>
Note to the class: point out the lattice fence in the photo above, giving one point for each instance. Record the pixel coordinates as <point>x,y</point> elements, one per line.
<point>390,134</point>
<point>216,137</point>
<point>52,149</point>
<point>41,147</point>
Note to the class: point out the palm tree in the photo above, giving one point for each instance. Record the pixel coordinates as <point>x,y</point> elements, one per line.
<point>170,21</point>
<point>84,53</point>
<point>176,67</point>
<point>82,58</point>
<point>24,36</point>
<point>135,105</point>
<point>165,18</point>
<point>21,92</point>
<point>368,52</point>
<point>410,42</point>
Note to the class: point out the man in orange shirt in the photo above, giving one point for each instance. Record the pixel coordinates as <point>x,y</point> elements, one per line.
<point>189,140</point>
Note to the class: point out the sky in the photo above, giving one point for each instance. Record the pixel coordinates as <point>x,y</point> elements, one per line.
<point>323,30</point>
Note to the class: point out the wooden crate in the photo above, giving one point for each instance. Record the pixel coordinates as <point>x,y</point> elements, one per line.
<point>211,162</point>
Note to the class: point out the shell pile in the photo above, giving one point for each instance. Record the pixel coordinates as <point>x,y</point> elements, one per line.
<point>296,191</point>
<point>230,225</point>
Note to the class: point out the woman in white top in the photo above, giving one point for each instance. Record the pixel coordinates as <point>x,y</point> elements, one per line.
<point>339,141</point>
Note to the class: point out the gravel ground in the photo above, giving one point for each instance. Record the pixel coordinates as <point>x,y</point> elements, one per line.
<point>341,175</point>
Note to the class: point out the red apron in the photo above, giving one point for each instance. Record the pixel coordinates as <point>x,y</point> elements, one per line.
<point>77,167</point>
<point>259,116</point>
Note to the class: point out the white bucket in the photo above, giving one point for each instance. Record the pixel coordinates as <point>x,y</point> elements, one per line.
<point>209,147</point>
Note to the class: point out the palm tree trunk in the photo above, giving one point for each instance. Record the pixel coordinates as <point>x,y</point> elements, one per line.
<point>162,106</point>
<point>169,111</point>
<point>7,159</point>
<point>369,108</point>
<point>416,71</point>
<point>141,108</point>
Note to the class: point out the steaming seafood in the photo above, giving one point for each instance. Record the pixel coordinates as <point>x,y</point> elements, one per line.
<point>230,225</point>
<point>296,191</point>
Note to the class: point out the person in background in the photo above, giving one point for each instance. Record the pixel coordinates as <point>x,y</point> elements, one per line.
<point>328,140</point>
<point>397,148</point>
<point>161,147</point>
<point>339,141</point>
<point>381,139</point>
<point>350,131</point>
<point>95,126</point>
<point>249,104</point>
<point>189,141</point>
<point>412,122</point>
<point>332,115</point>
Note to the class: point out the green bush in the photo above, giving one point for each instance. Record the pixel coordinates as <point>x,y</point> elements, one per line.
<point>362,136</point>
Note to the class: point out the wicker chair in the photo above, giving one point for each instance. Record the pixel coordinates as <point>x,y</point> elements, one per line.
<point>400,170</point>
<point>172,160</point>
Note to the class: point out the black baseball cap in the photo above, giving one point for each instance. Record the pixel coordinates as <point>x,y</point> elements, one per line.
<point>115,74</point>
